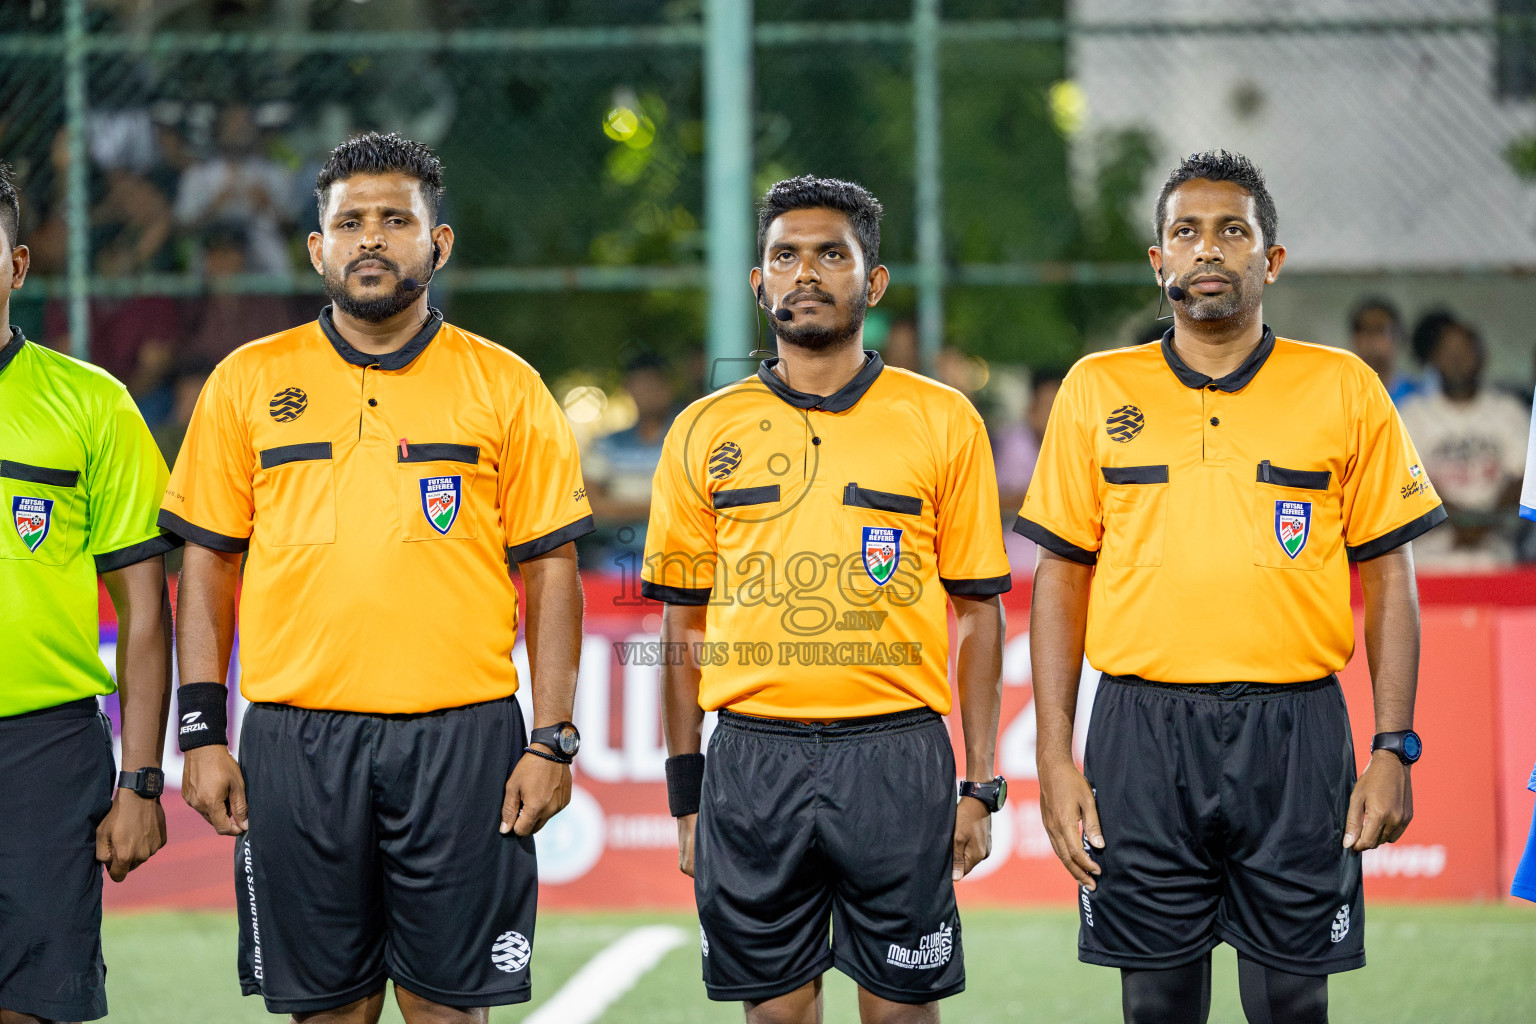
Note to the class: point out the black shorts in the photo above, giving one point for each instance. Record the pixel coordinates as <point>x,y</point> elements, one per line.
<point>1223,810</point>
<point>374,853</point>
<point>59,779</point>
<point>850,824</point>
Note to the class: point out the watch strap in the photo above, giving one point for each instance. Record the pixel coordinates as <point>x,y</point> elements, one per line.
<point>148,783</point>
<point>1405,745</point>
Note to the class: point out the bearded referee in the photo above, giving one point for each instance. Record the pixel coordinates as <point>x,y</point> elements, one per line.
<point>381,472</point>
<point>80,480</point>
<point>811,528</point>
<point>1198,505</point>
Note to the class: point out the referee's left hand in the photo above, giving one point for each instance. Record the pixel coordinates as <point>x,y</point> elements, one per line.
<point>973,835</point>
<point>1381,806</point>
<point>130,833</point>
<point>537,791</point>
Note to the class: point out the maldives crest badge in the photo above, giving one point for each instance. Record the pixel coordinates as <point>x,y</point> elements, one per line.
<point>33,517</point>
<point>881,550</point>
<point>441,498</point>
<point>1293,524</point>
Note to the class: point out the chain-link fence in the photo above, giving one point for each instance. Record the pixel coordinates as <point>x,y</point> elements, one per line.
<point>1399,136</point>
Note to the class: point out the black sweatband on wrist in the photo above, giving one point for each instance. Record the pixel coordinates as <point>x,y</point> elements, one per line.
<point>685,783</point>
<point>546,755</point>
<point>204,710</point>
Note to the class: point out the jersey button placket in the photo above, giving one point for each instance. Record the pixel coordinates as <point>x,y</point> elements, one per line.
<point>1210,412</point>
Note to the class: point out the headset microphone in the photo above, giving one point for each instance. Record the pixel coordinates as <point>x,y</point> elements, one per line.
<point>781,314</point>
<point>1176,293</point>
<point>410,284</point>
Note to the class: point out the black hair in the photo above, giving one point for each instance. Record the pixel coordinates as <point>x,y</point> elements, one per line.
<point>1219,165</point>
<point>1426,333</point>
<point>1372,304</point>
<point>811,193</point>
<point>372,153</point>
<point>10,205</point>
<point>1045,375</point>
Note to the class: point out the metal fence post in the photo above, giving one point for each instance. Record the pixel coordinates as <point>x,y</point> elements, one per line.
<point>77,198</point>
<point>728,174</point>
<point>930,186</point>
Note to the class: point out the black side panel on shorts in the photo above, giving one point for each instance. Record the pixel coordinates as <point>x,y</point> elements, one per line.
<point>59,763</point>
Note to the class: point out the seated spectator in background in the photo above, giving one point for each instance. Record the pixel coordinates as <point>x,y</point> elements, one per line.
<point>1015,450</point>
<point>1426,333</point>
<point>224,319</point>
<point>1376,335</point>
<point>186,384</point>
<point>131,226</point>
<point>1472,439</point>
<point>901,347</point>
<point>619,467</point>
<point>240,185</point>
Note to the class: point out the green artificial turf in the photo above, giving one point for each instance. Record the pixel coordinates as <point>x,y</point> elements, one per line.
<point>1440,964</point>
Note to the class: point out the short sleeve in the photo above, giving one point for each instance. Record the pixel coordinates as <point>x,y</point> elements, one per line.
<point>124,481</point>
<point>1062,512</point>
<point>680,550</point>
<point>543,500</point>
<point>1388,499</point>
<point>209,499</point>
<point>972,562</point>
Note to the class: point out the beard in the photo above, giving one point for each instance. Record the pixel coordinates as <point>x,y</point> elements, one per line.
<point>1247,288</point>
<point>379,307</point>
<point>819,337</point>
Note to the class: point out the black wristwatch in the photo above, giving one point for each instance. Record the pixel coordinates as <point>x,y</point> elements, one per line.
<point>991,794</point>
<point>1406,745</point>
<point>561,737</point>
<point>148,783</point>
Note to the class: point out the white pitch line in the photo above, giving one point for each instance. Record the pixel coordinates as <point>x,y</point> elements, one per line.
<point>607,976</point>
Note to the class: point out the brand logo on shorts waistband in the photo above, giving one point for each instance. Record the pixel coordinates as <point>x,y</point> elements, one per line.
<point>511,952</point>
<point>1340,924</point>
<point>933,950</point>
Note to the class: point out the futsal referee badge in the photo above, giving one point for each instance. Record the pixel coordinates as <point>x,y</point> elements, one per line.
<point>33,517</point>
<point>881,550</point>
<point>1293,524</point>
<point>441,497</point>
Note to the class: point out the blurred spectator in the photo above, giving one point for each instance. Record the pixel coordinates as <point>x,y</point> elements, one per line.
<point>1015,449</point>
<point>1376,335</point>
<point>620,466</point>
<point>225,319</point>
<point>901,348</point>
<point>186,385</point>
<point>240,185</point>
<point>1472,439</point>
<point>1426,334</point>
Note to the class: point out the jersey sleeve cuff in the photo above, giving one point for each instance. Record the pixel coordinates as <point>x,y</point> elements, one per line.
<point>111,561</point>
<point>201,537</point>
<point>979,588</point>
<point>1052,543</point>
<point>1398,537</point>
<point>547,543</point>
<point>674,595</point>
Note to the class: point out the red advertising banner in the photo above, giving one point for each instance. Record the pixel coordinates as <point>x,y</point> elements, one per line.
<point>615,845</point>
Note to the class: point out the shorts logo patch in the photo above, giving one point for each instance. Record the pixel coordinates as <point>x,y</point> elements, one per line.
<point>33,517</point>
<point>1125,423</point>
<point>1293,524</point>
<point>1087,907</point>
<point>933,950</point>
<point>288,405</point>
<point>703,941</point>
<point>881,551</point>
<point>440,501</point>
<point>724,459</point>
<point>1340,924</point>
<point>511,952</point>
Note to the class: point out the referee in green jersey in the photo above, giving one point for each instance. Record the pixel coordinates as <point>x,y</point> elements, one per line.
<point>80,482</point>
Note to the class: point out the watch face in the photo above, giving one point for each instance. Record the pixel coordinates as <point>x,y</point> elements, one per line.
<point>1413,746</point>
<point>1002,791</point>
<point>569,740</point>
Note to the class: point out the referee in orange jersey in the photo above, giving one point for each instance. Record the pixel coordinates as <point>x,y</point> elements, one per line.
<point>1197,505</point>
<point>381,472</point>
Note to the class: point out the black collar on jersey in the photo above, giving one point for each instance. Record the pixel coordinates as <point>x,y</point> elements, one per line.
<point>1234,381</point>
<point>399,359</point>
<point>12,347</point>
<point>840,400</point>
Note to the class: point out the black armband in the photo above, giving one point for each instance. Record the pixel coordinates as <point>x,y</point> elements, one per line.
<point>685,782</point>
<point>204,709</point>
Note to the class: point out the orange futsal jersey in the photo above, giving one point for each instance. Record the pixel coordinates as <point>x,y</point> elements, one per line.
<point>382,499</point>
<point>825,534</point>
<point>1221,515</point>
